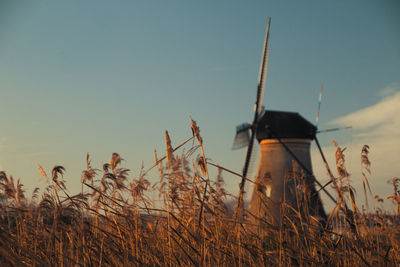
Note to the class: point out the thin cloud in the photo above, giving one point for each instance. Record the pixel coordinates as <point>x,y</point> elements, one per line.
<point>388,91</point>
<point>379,127</point>
<point>381,115</point>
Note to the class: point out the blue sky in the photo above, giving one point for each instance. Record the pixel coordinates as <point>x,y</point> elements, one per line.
<point>111,76</point>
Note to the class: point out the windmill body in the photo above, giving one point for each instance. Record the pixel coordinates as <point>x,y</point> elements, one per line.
<point>285,139</point>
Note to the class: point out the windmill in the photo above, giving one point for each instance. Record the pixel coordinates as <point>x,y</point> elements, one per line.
<point>284,139</point>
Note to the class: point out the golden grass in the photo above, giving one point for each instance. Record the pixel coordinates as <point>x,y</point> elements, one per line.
<point>113,222</point>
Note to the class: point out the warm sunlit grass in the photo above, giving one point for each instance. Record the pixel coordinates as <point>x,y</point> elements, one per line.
<point>113,222</point>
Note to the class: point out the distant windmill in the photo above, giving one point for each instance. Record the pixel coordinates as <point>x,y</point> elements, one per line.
<point>284,138</point>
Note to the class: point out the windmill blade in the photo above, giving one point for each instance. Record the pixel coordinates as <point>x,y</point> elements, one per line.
<point>335,129</point>
<point>262,76</point>
<point>261,113</point>
<point>319,106</point>
<point>258,105</point>
<point>243,127</point>
<point>242,137</point>
<point>257,110</point>
<point>253,161</point>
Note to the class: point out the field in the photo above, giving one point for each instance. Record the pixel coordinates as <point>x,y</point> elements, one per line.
<point>113,222</point>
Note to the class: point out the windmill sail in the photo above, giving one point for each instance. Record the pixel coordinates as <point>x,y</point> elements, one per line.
<point>262,76</point>
<point>242,137</point>
<point>257,110</point>
<point>319,106</point>
<point>334,129</point>
<point>258,104</point>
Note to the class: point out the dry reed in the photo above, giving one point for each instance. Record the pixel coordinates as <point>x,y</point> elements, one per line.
<point>113,222</point>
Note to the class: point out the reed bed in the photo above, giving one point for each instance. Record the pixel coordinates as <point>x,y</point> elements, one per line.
<point>113,222</point>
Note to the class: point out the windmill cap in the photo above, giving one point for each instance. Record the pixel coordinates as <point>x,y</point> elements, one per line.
<point>283,124</point>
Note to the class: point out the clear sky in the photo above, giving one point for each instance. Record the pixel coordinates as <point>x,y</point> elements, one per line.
<point>111,76</point>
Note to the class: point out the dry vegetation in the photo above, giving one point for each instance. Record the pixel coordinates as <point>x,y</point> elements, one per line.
<point>113,222</point>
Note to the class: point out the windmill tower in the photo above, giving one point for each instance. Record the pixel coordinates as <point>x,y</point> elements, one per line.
<point>284,139</point>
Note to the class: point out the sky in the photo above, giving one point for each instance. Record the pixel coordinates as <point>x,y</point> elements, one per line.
<point>112,76</point>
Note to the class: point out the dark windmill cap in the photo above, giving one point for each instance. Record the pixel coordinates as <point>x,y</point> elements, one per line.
<point>282,124</point>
